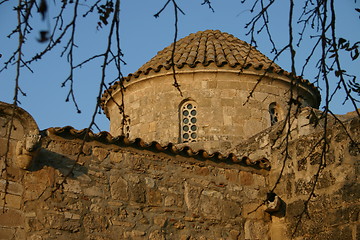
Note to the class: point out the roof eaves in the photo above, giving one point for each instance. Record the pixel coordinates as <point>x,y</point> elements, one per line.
<point>186,151</point>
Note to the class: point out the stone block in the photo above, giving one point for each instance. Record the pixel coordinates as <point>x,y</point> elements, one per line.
<point>137,192</point>
<point>92,222</point>
<point>13,187</point>
<point>234,234</point>
<point>201,171</point>
<point>230,210</point>
<point>246,178</point>
<point>350,192</point>
<point>228,121</point>
<point>232,175</point>
<point>118,188</point>
<point>192,197</point>
<point>160,220</point>
<point>210,207</point>
<point>335,233</point>
<point>156,235</point>
<point>116,222</point>
<point>72,186</point>
<point>94,191</point>
<point>295,208</point>
<point>12,201</point>
<point>325,180</point>
<point>7,233</point>
<point>303,187</point>
<point>73,216</point>
<point>134,234</point>
<point>3,143</point>
<point>11,218</point>
<point>169,201</point>
<point>100,153</point>
<point>212,84</point>
<point>154,197</point>
<point>255,229</point>
<point>228,102</point>
<point>14,173</point>
<point>150,182</point>
<point>35,183</point>
<point>116,157</point>
<point>253,211</point>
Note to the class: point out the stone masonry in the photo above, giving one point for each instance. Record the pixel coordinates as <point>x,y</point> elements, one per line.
<point>241,154</point>
<point>118,189</point>
<point>232,83</point>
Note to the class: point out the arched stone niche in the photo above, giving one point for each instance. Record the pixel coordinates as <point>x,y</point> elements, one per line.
<point>24,139</point>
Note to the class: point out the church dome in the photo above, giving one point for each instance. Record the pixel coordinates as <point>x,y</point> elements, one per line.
<point>205,47</point>
<point>230,92</point>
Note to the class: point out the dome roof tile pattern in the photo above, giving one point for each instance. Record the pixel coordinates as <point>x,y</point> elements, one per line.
<point>205,47</point>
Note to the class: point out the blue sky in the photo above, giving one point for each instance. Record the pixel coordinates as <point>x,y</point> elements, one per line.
<point>142,36</point>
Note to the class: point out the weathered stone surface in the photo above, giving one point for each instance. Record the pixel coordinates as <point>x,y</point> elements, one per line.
<point>246,178</point>
<point>7,233</point>
<point>156,235</point>
<point>72,186</point>
<point>118,187</point>
<point>154,197</point>
<point>12,187</point>
<point>137,193</point>
<point>192,197</point>
<point>11,218</point>
<point>97,223</point>
<point>255,230</point>
<point>100,153</point>
<point>125,192</point>
<point>36,183</point>
<point>12,201</point>
<point>94,191</point>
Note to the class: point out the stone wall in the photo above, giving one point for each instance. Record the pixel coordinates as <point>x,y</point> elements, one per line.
<point>152,104</point>
<point>118,189</point>
<point>12,216</point>
<point>334,209</point>
<point>124,193</point>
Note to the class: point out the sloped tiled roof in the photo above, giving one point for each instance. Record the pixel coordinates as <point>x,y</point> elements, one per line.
<point>205,47</point>
<point>122,141</point>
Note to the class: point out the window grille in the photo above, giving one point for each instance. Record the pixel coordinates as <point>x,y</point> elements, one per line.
<point>188,122</point>
<point>274,111</point>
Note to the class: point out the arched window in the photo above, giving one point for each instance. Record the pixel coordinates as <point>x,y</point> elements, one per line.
<point>275,113</point>
<point>188,122</point>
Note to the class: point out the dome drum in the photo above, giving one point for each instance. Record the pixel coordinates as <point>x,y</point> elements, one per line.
<point>225,112</point>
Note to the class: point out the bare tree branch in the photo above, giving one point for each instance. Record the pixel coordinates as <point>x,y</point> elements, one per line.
<point>176,10</point>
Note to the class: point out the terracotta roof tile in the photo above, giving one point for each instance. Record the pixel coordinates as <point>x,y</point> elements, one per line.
<point>205,47</point>
<point>69,132</point>
<point>211,46</point>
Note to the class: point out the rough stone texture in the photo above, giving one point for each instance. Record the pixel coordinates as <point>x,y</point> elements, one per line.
<point>244,178</point>
<point>118,192</point>
<point>333,211</point>
<point>216,71</point>
<point>220,124</point>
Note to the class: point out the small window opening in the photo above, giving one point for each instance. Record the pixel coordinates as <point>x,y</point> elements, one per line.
<point>188,120</point>
<point>275,113</point>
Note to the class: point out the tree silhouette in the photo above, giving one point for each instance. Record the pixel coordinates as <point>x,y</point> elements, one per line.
<point>317,20</point>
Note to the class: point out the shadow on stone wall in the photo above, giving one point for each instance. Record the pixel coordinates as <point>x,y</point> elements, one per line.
<point>62,163</point>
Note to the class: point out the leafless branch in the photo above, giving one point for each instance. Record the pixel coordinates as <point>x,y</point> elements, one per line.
<point>114,30</point>
<point>262,14</point>
<point>176,10</point>
<point>207,2</point>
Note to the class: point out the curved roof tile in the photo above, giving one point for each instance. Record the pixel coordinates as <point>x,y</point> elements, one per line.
<point>170,148</point>
<point>211,46</point>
